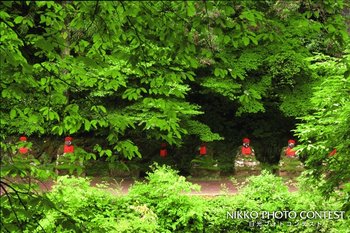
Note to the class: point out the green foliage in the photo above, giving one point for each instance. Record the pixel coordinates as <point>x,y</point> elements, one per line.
<point>21,209</point>
<point>327,126</point>
<point>162,204</point>
<point>265,190</point>
<point>72,68</point>
<point>255,51</point>
<point>96,212</point>
<point>346,198</point>
<point>62,74</point>
<point>74,206</point>
<point>106,69</point>
<point>202,130</point>
<point>176,211</point>
<point>263,193</point>
<point>74,162</point>
<point>24,166</point>
<point>267,193</point>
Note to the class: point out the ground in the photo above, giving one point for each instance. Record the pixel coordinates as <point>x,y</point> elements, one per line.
<point>209,186</point>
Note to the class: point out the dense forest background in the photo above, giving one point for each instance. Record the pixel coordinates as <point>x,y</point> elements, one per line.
<point>123,77</point>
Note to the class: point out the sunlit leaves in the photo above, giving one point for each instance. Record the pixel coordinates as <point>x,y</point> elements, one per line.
<point>250,102</point>
<point>93,66</point>
<point>133,94</point>
<point>191,10</point>
<point>49,114</point>
<point>128,149</point>
<point>203,131</point>
<point>327,126</point>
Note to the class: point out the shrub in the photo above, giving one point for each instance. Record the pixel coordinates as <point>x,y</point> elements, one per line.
<point>161,204</point>
<point>263,193</point>
<point>164,193</point>
<point>267,194</point>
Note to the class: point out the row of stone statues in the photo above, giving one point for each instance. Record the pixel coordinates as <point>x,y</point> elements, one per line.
<point>62,158</point>
<point>67,148</point>
<point>246,161</point>
<point>245,156</point>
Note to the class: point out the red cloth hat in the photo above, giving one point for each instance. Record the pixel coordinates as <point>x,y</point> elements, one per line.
<point>23,138</point>
<point>203,149</point>
<point>163,152</point>
<point>291,141</point>
<point>246,140</point>
<point>68,139</point>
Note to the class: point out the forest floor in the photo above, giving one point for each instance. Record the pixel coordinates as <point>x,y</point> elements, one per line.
<point>209,186</point>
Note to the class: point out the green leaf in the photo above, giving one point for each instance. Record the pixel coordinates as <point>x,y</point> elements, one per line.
<point>13,114</point>
<point>191,10</point>
<point>331,28</point>
<point>65,35</point>
<point>254,40</point>
<point>51,115</point>
<point>87,125</point>
<point>44,110</point>
<point>18,19</point>
<point>102,108</point>
<point>245,40</point>
<point>247,15</point>
<point>227,39</point>
<point>108,153</point>
<point>217,72</point>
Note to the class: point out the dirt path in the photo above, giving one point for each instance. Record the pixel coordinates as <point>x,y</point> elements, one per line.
<point>208,187</point>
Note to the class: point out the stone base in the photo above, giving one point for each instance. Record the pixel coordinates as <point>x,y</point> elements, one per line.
<point>124,174</point>
<point>289,173</point>
<point>247,172</point>
<point>200,172</point>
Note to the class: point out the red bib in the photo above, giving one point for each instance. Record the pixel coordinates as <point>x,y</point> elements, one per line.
<point>246,150</point>
<point>290,152</point>
<point>333,152</point>
<point>163,152</point>
<point>23,150</point>
<point>68,149</point>
<point>203,150</point>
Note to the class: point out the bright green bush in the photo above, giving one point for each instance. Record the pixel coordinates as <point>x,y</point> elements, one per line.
<point>97,210</point>
<point>263,193</point>
<point>161,204</point>
<point>74,206</point>
<point>267,194</point>
<point>164,193</point>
